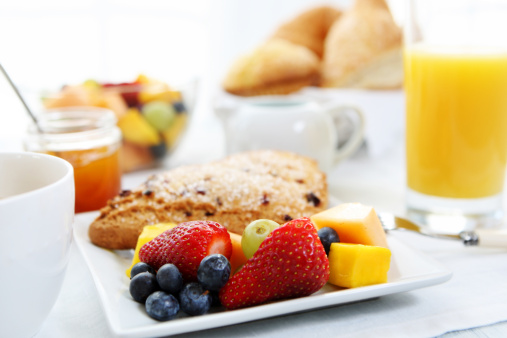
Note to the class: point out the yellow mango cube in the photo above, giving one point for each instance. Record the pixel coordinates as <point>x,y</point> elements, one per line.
<point>354,222</point>
<point>149,232</point>
<point>354,265</point>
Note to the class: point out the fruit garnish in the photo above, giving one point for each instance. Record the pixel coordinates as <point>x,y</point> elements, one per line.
<point>186,245</point>
<point>194,300</point>
<point>328,236</point>
<point>162,306</point>
<point>142,285</point>
<point>179,107</point>
<point>160,115</point>
<point>128,90</point>
<point>214,271</point>
<point>291,262</point>
<point>139,268</point>
<point>254,234</point>
<point>169,279</point>
<point>137,130</point>
<point>354,265</point>
<point>149,232</point>
<point>238,257</point>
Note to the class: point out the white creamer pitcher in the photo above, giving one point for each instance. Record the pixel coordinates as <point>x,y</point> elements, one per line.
<point>292,124</point>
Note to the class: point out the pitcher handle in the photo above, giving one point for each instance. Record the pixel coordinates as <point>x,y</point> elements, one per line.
<point>356,139</point>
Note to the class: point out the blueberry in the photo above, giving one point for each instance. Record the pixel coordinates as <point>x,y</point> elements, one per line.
<point>213,272</point>
<point>159,150</point>
<point>179,107</point>
<point>169,279</point>
<point>327,236</point>
<point>141,267</point>
<point>143,285</point>
<point>162,306</point>
<point>194,300</point>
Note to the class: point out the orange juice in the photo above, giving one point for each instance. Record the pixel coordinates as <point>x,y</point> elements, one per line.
<point>456,127</point>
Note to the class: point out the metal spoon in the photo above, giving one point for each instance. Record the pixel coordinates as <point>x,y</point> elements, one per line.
<point>479,237</point>
<point>27,108</point>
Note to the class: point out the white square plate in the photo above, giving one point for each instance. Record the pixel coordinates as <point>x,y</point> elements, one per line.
<point>409,270</point>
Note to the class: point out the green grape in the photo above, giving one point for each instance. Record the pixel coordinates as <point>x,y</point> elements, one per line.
<point>160,115</point>
<point>254,234</point>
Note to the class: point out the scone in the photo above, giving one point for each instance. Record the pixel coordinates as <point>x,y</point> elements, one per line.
<point>309,28</point>
<point>276,67</point>
<point>363,49</point>
<point>233,192</point>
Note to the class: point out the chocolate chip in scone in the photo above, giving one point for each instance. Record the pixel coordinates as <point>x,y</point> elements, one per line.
<point>312,199</point>
<point>265,199</point>
<point>219,201</point>
<point>125,193</point>
<point>188,213</point>
<point>201,191</point>
<point>148,192</point>
<point>208,214</point>
<point>287,218</point>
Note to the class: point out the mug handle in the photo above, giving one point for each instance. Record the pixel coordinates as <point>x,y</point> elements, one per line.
<point>356,139</point>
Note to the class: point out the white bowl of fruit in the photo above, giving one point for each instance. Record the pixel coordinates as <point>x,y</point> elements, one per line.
<point>152,114</point>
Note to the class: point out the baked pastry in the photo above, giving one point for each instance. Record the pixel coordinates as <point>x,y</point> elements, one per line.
<point>309,28</point>
<point>363,49</point>
<point>233,192</point>
<point>276,67</point>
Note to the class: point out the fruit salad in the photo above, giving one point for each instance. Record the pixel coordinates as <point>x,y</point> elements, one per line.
<point>186,268</point>
<point>151,115</point>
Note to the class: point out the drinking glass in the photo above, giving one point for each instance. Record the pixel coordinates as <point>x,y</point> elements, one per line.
<point>455,64</point>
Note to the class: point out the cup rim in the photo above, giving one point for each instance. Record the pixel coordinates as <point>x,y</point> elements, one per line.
<point>69,174</point>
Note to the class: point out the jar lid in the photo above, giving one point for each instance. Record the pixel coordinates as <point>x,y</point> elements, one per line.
<point>75,119</point>
<point>73,128</point>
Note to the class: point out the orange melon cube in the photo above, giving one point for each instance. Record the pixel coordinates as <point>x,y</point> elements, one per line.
<point>354,223</point>
<point>237,257</point>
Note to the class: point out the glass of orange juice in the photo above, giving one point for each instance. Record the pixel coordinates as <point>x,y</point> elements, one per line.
<point>87,138</point>
<point>455,63</point>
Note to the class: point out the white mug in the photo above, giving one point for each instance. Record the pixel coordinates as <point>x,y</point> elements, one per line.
<point>36,216</point>
<point>292,124</point>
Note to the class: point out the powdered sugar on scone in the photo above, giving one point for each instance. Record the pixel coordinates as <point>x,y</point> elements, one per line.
<point>233,192</point>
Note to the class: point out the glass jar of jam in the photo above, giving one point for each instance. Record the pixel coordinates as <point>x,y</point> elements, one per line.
<point>89,139</point>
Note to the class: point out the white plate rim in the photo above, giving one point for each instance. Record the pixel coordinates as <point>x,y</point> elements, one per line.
<point>436,275</point>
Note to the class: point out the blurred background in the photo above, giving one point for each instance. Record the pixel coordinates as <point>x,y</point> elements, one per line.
<point>46,44</point>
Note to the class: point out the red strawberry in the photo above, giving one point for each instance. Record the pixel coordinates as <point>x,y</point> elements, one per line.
<point>186,245</point>
<point>291,262</point>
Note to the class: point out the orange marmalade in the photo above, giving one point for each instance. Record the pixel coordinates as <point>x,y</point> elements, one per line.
<point>89,140</point>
